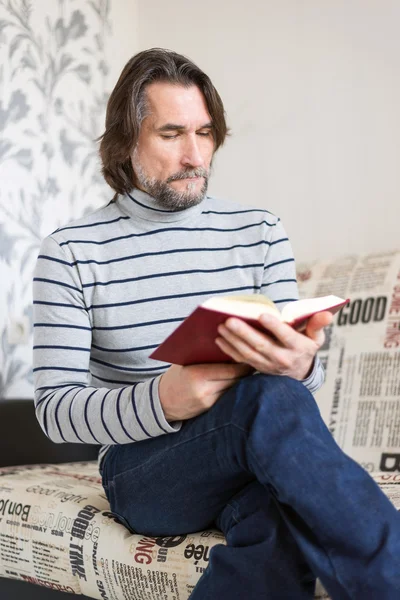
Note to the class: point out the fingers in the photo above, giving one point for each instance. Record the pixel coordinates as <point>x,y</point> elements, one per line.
<point>275,331</point>
<point>255,349</point>
<point>280,349</point>
<point>289,337</point>
<point>231,349</point>
<point>283,332</point>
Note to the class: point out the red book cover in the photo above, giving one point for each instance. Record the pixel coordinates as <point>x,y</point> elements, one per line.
<point>193,341</point>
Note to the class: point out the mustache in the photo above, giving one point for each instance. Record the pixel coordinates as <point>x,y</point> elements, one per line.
<point>199,172</point>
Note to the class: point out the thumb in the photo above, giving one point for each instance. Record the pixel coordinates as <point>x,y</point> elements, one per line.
<point>315,327</point>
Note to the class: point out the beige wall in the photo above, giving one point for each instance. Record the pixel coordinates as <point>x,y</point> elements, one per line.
<point>312,92</point>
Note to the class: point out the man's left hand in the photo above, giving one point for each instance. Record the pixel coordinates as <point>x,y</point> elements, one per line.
<point>280,350</point>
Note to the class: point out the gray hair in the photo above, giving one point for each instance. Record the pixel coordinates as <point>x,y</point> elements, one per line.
<point>127,108</point>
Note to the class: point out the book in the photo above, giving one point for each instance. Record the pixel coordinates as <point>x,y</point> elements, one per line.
<point>193,341</point>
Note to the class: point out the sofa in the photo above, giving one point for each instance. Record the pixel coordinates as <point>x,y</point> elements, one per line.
<point>57,534</point>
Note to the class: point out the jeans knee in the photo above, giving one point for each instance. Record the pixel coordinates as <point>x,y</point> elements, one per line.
<point>269,396</point>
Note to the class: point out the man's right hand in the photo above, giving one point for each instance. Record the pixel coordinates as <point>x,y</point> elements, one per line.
<point>186,392</point>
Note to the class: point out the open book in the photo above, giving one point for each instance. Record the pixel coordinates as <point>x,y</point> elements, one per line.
<point>193,341</point>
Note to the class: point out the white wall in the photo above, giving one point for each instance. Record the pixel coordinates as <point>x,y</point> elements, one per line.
<point>312,92</point>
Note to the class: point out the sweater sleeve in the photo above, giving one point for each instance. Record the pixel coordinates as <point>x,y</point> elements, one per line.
<point>68,407</point>
<point>280,284</point>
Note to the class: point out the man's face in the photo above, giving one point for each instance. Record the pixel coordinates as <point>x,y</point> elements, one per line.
<point>173,155</point>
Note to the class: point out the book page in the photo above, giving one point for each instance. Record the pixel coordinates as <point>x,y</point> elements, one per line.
<point>241,308</point>
<point>307,306</point>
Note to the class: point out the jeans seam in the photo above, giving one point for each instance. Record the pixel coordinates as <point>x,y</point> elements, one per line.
<point>234,512</point>
<point>133,469</point>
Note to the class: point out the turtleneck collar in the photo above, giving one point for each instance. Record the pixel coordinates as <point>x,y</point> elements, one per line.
<point>139,204</point>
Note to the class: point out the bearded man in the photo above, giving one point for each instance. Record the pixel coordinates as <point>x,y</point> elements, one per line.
<point>240,445</point>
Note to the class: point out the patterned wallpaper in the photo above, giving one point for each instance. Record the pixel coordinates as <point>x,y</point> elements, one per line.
<point>53,80</point>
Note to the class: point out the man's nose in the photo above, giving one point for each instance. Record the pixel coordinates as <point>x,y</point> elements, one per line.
<point>192,156</point>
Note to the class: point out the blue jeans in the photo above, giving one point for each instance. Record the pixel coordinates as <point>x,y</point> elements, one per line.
<point>263,467</point>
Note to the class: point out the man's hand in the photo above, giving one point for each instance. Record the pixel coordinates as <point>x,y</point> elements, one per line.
<point>186,392</point>
<point>281,350</point>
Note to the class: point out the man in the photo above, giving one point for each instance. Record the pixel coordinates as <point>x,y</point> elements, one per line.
<point>238,444</point>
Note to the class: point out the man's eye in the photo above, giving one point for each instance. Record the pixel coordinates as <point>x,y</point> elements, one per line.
<point>169,137</point>
<point>204,133</point>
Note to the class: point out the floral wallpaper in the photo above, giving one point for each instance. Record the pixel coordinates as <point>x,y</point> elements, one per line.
<point>53,79</point>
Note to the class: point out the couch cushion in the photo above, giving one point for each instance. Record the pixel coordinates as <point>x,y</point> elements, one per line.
<point>56,530</point>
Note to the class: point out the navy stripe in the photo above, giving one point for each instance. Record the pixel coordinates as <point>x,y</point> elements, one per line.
<point>43,303</point>
<point>70,417</point>
<point>171,274</point>
<point>120,417</point>
<point>136,412</point>
<point>126,369</point>
<point>125,349</point>
<point>56,413</point>
<point>62,325</point>
<point>125,383</point>
<point>86,416</point>
<point>238,212</point>
<point>170,297</point>
<point>42,279</point>
<point>172,251</point>
<point>279,262</point>
<point>57,387</point>
<point>154,409</point>
<point>102,417</point>
<point>52,393</point>
<point>51,347</point>
<point>134,325</point>
<point>279,241</point>
<point>93,224</point>
<point>63,262</point>
<point>60,369</point>
<point>278,281</point>
<point>44,398</point>
<point>285,300</point>
<point>150,207</point>
<point>165,230</point>
<point>45,418</point>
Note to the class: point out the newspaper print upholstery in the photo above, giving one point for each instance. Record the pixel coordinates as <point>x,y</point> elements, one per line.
<point>57,531</point>
<point>360,400</point>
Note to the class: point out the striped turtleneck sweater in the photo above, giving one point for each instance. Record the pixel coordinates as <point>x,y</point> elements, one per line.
<point>110,287</point>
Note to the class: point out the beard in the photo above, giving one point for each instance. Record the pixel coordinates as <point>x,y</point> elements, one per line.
<point>167,196</point>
